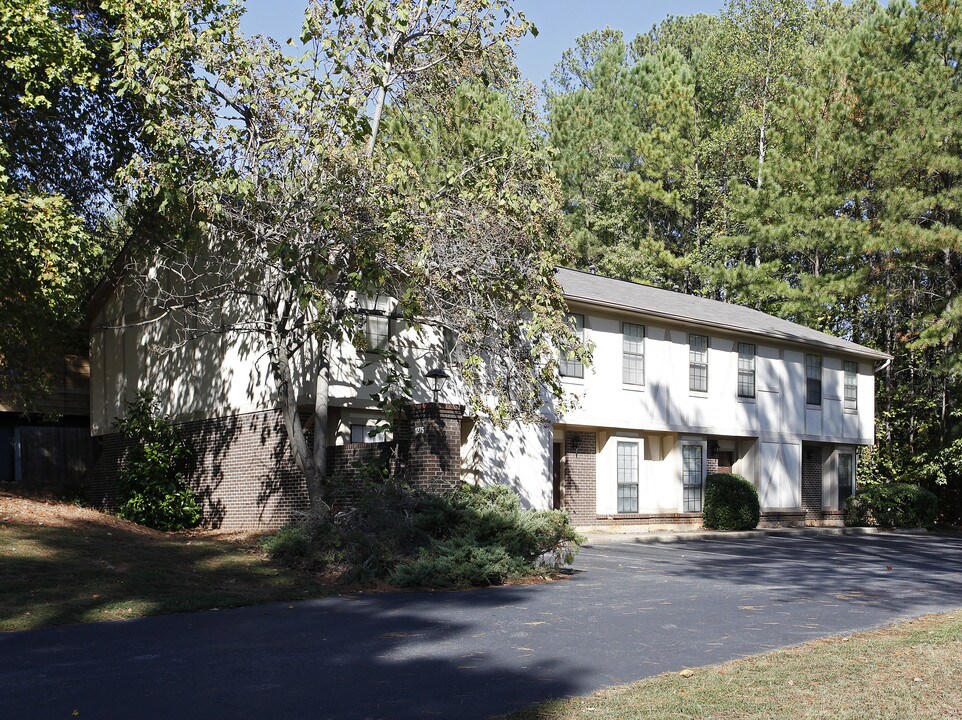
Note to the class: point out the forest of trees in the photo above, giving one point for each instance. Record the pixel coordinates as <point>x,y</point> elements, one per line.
<point>802,158</point>
<point>798,156</point>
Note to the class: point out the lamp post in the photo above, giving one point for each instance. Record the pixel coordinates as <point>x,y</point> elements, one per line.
<point>437,376</point>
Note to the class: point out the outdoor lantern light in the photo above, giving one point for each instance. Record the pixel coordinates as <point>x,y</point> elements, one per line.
<point>437,377</point>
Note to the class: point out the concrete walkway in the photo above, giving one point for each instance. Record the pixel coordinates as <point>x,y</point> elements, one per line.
<point>630,610</point>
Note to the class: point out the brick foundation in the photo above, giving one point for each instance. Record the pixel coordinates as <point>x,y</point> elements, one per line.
<point>245,475</point>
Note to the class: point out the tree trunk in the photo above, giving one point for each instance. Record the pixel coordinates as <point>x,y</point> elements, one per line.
<point>382,95</point>
<point>322,386</point>
<point>297,439</point>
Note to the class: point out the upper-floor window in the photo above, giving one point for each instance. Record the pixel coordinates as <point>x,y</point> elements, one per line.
<point>698,363</point>
<point>746,370</point>
<point>632,354</point>
<point>813,379</point>
<point>850,399</point>
<point>376,323</point>
<point>571,366</point>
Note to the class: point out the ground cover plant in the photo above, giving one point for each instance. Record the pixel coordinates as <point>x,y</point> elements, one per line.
<point>896,505</point>
<point>471,536</point>
<point>731,503</point>
<point>908,670</point>
<point>67,564</point>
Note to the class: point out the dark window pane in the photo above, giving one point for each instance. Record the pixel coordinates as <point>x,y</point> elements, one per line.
<point>692,478</point>
<point>746,370</point>
<point>698,363</point>
<point>627,477</point>
<point>813,382</point>
<point>846,477</point>
<point>851,386</point>
<point>571,366</point>
<point>633,354</point>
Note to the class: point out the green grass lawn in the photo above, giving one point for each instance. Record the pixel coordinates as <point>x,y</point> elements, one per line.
<point>93,567</point>
<point>908,671</point>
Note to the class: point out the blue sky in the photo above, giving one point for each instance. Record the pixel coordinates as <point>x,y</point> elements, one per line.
<point>559,23</point>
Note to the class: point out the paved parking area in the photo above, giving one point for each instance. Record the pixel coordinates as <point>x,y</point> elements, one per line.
<point>629,611</point>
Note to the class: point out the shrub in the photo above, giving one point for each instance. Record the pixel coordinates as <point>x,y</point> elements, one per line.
<point>460,562</point>
<point>892,505</point>
<point>292,542</point>
<point>471,536</point>
<point>731,503</point>
<point>152,486</point>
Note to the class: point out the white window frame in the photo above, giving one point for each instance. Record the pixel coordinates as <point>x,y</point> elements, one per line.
<point>572,367</point>
<point>850,403</point>
<point>809,366</point>
<point>639,459</point>
<point>698,359</point>
<point>744,370</point>
<point>632,351</point>
<point>702,445</point>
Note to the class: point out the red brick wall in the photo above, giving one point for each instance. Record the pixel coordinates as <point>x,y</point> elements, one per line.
<point>580,476</point>
<point>244,473</point>
<point>246,477</point>
<point>812,479</point>
<point>429,446</point>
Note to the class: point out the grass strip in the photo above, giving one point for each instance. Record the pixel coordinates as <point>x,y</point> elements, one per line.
<point>87,572</point>
<point>910,670</point>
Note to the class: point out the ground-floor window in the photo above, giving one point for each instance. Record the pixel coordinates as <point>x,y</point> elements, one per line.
<point>692,477</point>
<point>628,477</point>
<point>846,477</point>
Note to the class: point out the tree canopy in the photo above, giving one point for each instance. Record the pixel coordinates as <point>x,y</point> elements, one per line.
<point>799,157</point>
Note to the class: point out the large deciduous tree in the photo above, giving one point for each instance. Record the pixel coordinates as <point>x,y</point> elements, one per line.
<point>63,134</point>
<point>366,166</point>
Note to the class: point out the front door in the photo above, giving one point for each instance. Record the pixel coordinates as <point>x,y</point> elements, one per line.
<point>726,459</point>
<point>556,476</point>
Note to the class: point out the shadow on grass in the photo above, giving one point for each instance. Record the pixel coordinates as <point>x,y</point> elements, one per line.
<point>86,572</point>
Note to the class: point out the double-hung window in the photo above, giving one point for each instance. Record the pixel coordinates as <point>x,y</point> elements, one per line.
<point>850,399</point>
<point>632,354</point>
<point>698,363</point>
<point>746,370</point>
<point>376,323</point>
<point>571,366</point>
<point>362,433</point>
<point>628,466</point>
<point>813,379</point>
<point>692,477</point>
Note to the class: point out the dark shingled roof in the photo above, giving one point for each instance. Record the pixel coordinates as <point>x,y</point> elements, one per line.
<point>623,295</point>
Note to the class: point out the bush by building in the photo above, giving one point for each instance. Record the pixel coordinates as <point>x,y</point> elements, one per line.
<point>472,536</point>
<point>892,505</point>
<point>152,483</point>
<point>731,503</point>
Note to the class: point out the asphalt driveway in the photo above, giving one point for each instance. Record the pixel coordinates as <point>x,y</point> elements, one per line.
<point>629,611</point>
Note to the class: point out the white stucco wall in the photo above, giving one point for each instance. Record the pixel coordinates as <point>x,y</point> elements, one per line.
<point>665,404</point>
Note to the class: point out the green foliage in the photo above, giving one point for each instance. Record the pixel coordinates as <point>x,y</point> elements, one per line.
<point>472,536</point>
<point>731,503</point>
<point>800,157</point>
<point>893,505</point>
<point>289,543</point>
<point>152,485</point>
<point>460,562</point>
